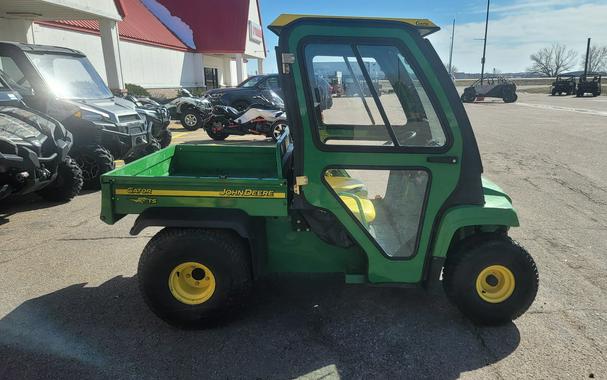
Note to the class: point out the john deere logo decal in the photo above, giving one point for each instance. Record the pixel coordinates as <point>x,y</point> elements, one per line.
<point>142,193</point>
<point>248,193</point>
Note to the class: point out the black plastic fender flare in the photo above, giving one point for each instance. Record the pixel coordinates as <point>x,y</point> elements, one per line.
<point>252,229</point>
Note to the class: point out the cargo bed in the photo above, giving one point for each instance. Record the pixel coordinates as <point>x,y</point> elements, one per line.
<point>250,178</point>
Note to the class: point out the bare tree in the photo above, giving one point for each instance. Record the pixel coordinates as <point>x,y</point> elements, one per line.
<point>553,60</point>
<point>454,68</point>
<point>598,59</point>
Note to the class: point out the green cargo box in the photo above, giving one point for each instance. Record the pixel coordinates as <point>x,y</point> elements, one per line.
<point>244,177</point>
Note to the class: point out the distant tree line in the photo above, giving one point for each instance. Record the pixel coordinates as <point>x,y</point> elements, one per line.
<point>557,59</point>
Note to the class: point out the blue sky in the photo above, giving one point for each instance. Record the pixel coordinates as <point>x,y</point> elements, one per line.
<point>517,28</point>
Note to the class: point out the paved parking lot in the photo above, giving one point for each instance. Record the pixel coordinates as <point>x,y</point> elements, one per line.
<point>69,304</point>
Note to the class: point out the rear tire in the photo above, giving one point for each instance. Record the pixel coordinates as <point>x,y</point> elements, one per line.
<point>67,184</point>
<point>191,119</point>
<point>94,161</point>
<point>217,136</point>
<point>510,97</point>
<point>475,280</point>
<point>223,282</point>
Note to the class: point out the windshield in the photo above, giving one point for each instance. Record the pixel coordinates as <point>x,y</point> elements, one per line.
<point>70,77</point>
<point>251,82</point>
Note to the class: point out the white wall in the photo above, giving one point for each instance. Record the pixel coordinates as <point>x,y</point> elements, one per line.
<point>16,30</point>
<point>99,8</point>
<point>217,62</point>
<point>155,67</point>
<point>147,66</point>
<point>254,49</point>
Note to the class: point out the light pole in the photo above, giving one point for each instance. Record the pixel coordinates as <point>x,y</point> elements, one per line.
<point>451,50</point>
<point>485,43</point>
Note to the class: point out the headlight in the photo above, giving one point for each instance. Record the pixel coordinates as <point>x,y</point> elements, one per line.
<point>216,95</point>
<point>277,100</point>
<point>91,115</point>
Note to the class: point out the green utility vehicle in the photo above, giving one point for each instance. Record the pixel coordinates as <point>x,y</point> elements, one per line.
<point>384,190</point>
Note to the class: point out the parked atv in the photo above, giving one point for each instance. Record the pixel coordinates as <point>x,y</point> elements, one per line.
<point>156,115</point>
<point>266,117</point>
<point>34,152</point>
<point>492,87</point>
<point>188,109</point>
<point>589,84</point>
<point>564,84</point>
<point>62,83</point>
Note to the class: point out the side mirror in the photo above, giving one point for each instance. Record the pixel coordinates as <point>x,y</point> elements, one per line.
<point>27,91</point>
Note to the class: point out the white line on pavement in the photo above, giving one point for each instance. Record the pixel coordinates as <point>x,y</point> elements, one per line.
<point>567,109</point>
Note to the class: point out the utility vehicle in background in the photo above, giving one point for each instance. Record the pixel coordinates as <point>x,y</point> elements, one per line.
<point>62,83</point>
<point>190,110</point>
<point>564,84</point>
<point>156,115</point>
<point>34,151</point>
<point>246,93</point>
<point>265,117</point>
<point>382,190</point>
<point>491,87</point>
<point>590,84</point>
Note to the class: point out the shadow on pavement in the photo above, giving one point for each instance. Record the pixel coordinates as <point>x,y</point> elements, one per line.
<point>293,327</point>
<point>16,204</point>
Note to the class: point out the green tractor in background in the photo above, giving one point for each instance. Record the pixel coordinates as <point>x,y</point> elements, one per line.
<point>382,190</point>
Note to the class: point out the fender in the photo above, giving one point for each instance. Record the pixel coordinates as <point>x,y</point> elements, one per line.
<point>252,229</point>
<point>497,212</point>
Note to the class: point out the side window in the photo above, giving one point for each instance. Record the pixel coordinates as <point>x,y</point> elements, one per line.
<point>388,204</point>
<point>370,95</point>
<point>272,83</point>
<point>9,66</point>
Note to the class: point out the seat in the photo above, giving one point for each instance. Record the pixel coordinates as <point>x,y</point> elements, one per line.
<point>348,184</point>
<point>230,112</point>
<point>362,208</point>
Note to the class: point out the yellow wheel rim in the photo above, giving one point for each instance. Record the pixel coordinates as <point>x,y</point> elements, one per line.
<point>495,284</point>
<point>192,283</point>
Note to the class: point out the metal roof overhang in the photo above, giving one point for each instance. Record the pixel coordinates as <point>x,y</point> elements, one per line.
<point>425,27</point>
<point>59,9</point>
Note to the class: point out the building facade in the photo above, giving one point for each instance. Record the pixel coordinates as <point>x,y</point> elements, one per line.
<point>157,44</point>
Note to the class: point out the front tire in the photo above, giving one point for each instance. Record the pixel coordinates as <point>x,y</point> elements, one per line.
<point>278,128</point>
<point>194,277</point>
<point>240,105</point>
<point>151,147</point>
<point>492,280</point>
<point>67,184</point>
<point>191,119</point>
<point>468,97</point>
<point>165,137</point>
<point>94,160</point>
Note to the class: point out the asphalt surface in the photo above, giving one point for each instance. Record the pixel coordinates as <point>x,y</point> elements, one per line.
<point>69,303</point>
